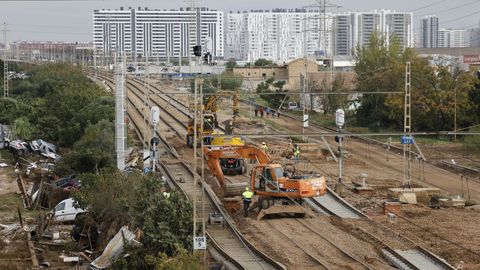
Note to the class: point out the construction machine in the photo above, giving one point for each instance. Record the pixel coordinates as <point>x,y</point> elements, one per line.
<point>281,193</point>
<point>209,110</point>
<point>210,125</point>
<point>230,159</point>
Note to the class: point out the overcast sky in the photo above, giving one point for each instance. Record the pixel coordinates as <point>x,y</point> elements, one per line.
<point>72,20</point>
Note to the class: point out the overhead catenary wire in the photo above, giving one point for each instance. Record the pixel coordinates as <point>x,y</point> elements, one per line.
<point>448,9</point>
<point>429,5</point>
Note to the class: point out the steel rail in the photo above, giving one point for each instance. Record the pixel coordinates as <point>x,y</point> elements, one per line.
<point>315,258</point>
<point>351,256</point>
<point>263,260</point>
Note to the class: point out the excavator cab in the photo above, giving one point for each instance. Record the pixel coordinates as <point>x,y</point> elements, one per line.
<point>210,124</point>
<point>279,194</point>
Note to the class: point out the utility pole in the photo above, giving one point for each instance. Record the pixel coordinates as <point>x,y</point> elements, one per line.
<point>455,116</point>
<point>199,243</point>
<point>120,111</point>
<point>5,62</point>
<point>407,128</point>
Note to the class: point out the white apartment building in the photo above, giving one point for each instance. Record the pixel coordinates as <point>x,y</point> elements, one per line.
<point>429,29</point>
<point>278,35</point>
<point>158,33</point>
<point>451,38</point>
<point>112,30</point>
<point>345,33</point>
<point>355,28</point>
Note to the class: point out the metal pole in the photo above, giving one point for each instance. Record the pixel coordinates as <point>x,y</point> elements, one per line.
<point>5,62</point>
<point>340,156</point>
<point>455,115</point>
<point>120,114</point>
<point>154,148</point>
<point>195,141</point>
<point>202,179</point>
<point>407,123</point>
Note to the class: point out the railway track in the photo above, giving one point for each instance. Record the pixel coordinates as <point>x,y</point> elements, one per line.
<point>346,257</point>
<point>331,204</point>
<point>413,258</point>
<point>227,241</point>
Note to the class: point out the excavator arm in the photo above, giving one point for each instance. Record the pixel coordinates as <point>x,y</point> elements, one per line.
<point>244,152</point>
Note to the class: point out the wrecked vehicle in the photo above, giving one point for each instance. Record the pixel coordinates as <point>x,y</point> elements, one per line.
<point>4,137</point>
<point>68,182</point>
<point>65,211</point>
<point>45,149</point>
<point>40,168</point>
<point>19,147</point>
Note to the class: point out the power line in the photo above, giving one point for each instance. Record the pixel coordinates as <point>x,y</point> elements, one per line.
<point>429,5</point>
<point>448,9</point>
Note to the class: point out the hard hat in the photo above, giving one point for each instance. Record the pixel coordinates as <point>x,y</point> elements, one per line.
<point>247,189</point>
<point>264,143</point>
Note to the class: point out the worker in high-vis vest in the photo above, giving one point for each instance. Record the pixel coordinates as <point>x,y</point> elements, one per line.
<point>247,199</point>
<point>296,152</point>
<point>265,147</point>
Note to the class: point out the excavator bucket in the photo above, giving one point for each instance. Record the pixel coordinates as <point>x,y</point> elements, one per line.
<point>295,210</point>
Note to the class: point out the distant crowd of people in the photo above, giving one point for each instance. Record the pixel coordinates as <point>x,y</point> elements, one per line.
<point>270,113</point>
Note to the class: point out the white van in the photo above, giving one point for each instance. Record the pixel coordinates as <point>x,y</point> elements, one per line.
<point>65,211</point>
<point>292,106</point>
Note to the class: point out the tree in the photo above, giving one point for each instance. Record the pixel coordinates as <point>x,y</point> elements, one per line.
<point>331,101</point>
<point>273,101</point>
<point>231,63</point>
<point>23,129</point>
<point>165,219</point>
<point>381,68</point>
<point>377,70</point>
<point>261,62</point>
<point>95,150</point>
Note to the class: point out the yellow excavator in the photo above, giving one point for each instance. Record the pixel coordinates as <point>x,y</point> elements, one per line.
<point>210,121</point>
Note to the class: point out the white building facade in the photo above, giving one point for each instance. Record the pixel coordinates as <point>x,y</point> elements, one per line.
<point>453,38</point>
<point>429,32</point>
<point>281,35</point>
<point>278,35</point>
<point>158,33</point>
<point>355,28</point>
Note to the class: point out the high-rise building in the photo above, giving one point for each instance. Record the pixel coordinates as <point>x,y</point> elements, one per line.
<point>458,38</point>
<point>453,38</point>
<point>158,33</point>
<point>398,25</point>
<point>429,30</point>
<point>345,34</point>
<point>113,30</point>
<point>356,28</point>
<point>443,38</point>
<point>474,37</point>
<point>277,35</point>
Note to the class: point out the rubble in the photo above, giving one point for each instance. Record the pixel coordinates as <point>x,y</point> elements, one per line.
<point>114,248</point>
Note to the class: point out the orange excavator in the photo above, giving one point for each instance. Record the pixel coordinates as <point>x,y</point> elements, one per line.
<point>281,193</point>
<point>230,160</point>
<point>278,191</point>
